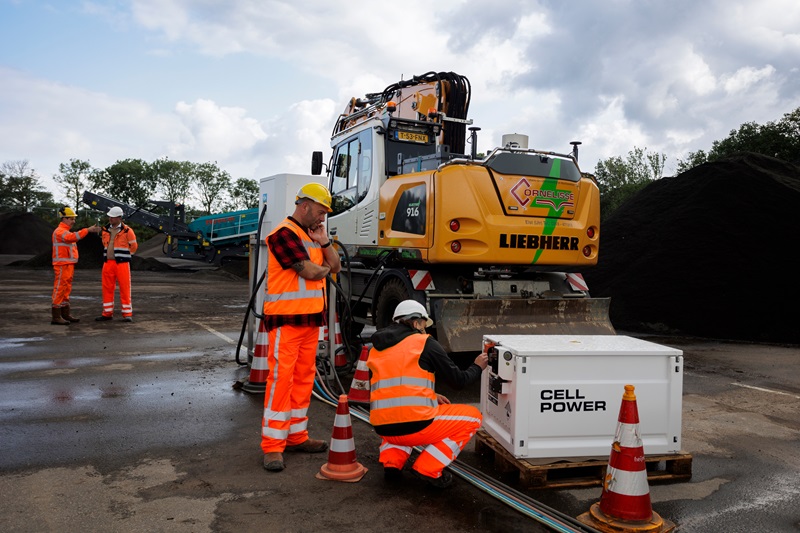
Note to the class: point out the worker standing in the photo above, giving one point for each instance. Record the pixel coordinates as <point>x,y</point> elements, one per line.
<point>300,257</point>
<point>65,257</point>
<point>119,243</point>
<point>405,409</point>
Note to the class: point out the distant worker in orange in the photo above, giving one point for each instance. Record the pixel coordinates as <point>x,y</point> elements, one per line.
<point>119,242</point>
<point>300,257</point>
<point>405,409</point>
<point>65,257</point>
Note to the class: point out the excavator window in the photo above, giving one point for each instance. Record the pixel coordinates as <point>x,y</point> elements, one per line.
<point>532,164</point>
<point>351,172</point>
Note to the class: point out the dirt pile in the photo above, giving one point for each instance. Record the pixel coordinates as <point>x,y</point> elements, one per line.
<point>706,253</point>
<point>91,256</point>
<point>24,234</point>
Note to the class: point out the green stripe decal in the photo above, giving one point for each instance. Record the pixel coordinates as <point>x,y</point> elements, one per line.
<point>550,184</point>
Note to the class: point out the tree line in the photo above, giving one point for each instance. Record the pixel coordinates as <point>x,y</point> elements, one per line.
<point>134,181</point>
<point>131,181</point>
<point>620,178</point>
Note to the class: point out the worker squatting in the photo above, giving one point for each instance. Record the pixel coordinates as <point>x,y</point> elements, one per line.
<point>534,242</point>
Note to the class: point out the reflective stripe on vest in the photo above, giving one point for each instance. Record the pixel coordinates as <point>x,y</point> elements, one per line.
<point>288,293</point>
<point>401,391</point>
<point>124,241</point>
<point>65,249</point>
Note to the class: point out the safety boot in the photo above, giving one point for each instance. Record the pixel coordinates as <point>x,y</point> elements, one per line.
<point>57,317</point>
<point>65,314</point>
<point>309,446</point>
<point>441,482</point>
<point>273,461</point>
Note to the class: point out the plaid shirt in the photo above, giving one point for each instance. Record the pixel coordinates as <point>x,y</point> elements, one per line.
<point>288,249</point>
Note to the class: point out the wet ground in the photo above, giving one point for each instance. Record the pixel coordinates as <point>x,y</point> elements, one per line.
<point>138,427</point>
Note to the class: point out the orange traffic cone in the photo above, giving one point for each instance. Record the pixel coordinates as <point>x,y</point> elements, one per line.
<point>625,501</point>
<point>337,334</point>
<point>342,464</point>
<point>359,388</point>
<point>259,369</point>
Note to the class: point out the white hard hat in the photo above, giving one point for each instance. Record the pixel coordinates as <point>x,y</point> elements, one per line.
<point>411,309</point>
<point>115,212</point>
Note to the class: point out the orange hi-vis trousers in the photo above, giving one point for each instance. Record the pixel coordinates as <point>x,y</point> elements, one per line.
<point>62,284</point>
<point>443,439</point>
<point>114,273</point>
<point>291,356</point>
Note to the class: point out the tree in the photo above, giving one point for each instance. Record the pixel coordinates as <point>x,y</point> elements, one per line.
<point>74,178</point>
<point>173,178</point>
<point>243,194</point>
<point>129,181</point>
<point>211,185</point>
<point>694,159</point>
<point>20,188</point>
<point>619,178</point>
<point>779,139</point>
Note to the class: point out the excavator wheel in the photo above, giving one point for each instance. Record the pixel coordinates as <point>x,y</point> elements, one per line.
<point>392,293</point>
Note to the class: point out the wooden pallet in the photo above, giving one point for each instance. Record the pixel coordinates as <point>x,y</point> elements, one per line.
<point>574,474</point>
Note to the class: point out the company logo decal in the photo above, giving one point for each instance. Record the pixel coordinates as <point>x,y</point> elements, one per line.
<point>556,200</point>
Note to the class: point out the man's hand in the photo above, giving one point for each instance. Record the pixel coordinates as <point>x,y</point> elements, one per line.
<point>482,360</point>
<point>319,234</point>
<point>442,399</point>
<point>94,229</point>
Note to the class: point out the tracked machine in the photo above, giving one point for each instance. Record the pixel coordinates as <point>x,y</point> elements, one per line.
<point>212,239</point>
<point>490,244</point>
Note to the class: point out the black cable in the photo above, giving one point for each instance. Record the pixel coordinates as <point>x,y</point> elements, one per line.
<point>254,292</point>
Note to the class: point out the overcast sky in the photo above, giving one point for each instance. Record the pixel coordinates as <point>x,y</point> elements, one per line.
<point>255,85</point>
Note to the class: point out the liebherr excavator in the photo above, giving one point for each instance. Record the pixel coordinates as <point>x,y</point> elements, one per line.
<point>490,245</point>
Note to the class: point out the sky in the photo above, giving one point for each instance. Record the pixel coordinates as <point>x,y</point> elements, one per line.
<point>256,85</point>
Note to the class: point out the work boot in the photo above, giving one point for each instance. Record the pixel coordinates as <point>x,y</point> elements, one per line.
<point>273,461</point>
<point>65,314</point>
<point>309,446</point>
<point>392,474</point>
<point>127,319</point>
<point>441,482</point>
<point>57,317</point>
<point>103,318</point>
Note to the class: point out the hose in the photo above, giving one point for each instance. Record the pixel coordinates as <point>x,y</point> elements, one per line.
<point>256,287</point>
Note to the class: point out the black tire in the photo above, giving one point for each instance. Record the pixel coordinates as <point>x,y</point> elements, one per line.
<point>392,293</point>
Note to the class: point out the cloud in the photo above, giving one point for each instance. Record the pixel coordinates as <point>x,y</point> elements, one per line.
<point>257,84</point>
<point>216,132</point>
<point>746,77</point>
<point>50,123</point>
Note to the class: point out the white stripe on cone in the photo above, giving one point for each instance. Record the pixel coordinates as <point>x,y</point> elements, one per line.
<point>627,483</point>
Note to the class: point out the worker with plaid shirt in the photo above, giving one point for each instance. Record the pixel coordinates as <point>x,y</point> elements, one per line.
<point>300,257</point>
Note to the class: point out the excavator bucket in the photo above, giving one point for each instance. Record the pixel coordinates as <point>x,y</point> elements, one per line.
<point>461,324</point>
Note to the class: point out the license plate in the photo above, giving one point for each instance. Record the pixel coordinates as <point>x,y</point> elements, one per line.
<point>412,137</point>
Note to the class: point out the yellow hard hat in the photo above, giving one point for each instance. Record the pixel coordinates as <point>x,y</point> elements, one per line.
<point>316,192</point>
<point>66,212</point>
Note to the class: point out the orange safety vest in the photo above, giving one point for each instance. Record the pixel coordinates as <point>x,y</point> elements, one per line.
<point>65,249</point>
<point>288,293</point>
<point>401,391</point>
<point>125,243</point>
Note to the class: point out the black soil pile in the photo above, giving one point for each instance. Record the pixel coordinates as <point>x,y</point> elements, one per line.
<point>710,253</point>
<point>25,234</point>
<point>91,256</point>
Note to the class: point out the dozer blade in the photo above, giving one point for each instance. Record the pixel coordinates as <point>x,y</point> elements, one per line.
<point>461,324</point>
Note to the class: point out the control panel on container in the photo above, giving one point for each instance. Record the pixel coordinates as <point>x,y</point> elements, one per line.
<point>501,369</point>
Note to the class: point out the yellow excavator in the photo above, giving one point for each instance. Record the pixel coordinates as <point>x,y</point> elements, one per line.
<point>490,244</point>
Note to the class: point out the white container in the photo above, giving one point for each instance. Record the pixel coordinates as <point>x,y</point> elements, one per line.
<point>559,396</point>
